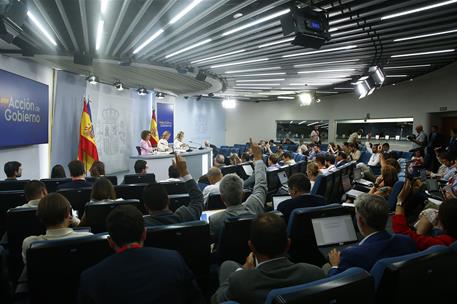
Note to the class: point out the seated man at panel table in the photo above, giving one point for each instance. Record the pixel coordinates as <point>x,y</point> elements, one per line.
<point>266,268</point>
<point>214,176</point>
<point>54,211</point>
<point>372,213</point>
<point>78,179</point>
<point>136,274</point>
<point>299,189</point>
<point>231,188</point>
<point>155,199</point>
<point>12,170</point>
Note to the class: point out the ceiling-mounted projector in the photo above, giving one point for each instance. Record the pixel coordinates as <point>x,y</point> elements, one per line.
<point>12,17</point>
<point>309,24</point>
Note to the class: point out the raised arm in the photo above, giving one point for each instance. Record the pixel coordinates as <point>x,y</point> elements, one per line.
<point>256,200</point>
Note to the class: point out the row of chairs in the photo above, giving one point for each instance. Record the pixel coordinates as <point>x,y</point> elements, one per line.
<point>330,185</point>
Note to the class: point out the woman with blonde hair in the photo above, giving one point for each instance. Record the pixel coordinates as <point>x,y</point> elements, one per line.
<point>162,145</point>
<point>312,170</point>
<point>179,141</point>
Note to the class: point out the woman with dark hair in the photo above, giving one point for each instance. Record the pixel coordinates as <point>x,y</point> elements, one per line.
<point>102,190</point>
<point>58,172</point>
<point>385,182</point>
<point>97,169</point>
<point>145,144</point>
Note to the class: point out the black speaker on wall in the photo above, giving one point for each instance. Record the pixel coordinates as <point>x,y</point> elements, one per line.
<point>201,76</point>
<point>82,59</point>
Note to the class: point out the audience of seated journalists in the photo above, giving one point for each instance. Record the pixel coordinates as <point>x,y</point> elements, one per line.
<point>138,274</point>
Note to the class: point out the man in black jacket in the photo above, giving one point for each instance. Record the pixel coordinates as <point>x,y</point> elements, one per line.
<point>137,274</point>
<point>299,187</point>
<point>155,198</point>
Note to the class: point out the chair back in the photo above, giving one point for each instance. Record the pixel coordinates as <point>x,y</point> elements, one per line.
<point>392,199</point>
<point>8,200</point>
<point>300,230</point>
<point>20,223</point>
<point>403,279</point>
<point>54,267</point>
<point>138,149</point>
<point>340,288</point>
<point>111,178</point>
<point>233,241</point>
<point>215,202</point>
<point>96,212</point>
<point>53,183</point>
<point>10,185</point>
<point>320,185</point>
<point>175,187</point>
<point>131,191</point>
<point>191,240</point>
<point>178,200</point>
<point>148,178</point>
<point>364,157</point>
<point>78,198</point>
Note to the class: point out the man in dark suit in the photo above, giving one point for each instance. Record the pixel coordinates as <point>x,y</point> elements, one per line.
<point>266,268</point>
<point>78,179</point>
<point>340,159</point>
<point>372,212</point>
<point>299,188</point>
<point>136,274</point>
<point>155,198</point>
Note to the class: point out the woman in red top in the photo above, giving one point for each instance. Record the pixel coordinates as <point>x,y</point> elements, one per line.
<point>446,220</point>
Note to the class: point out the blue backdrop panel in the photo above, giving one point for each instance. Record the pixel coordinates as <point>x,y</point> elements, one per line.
<point>23,111</point>
<point>165,120</point>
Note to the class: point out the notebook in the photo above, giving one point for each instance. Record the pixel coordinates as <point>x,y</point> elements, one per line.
<point>248,170</point>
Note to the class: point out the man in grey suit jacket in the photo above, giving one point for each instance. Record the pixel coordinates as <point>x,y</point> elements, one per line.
<point>231,189</point>
<point>266,268</point>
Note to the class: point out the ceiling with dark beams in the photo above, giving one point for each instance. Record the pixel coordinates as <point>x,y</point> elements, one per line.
<point>211,38</point>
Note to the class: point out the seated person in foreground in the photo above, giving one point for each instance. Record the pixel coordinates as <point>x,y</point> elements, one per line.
<point>214,176</point>
<point>12,170</point>
<point>372,213</point>
<point>136,274</point>
<point>218,162</point>
<point>288,160</point>
<point>54,211</point>
<point>155,198</point>
<point>299,188</point>
<point>447,215</point>
<point>97,169</point>
<point>34,191</point>
<point>58,171</point>
<point>266,268</point>
<point>78,176</point>
<point>340,159</point>
<point>231,188</point>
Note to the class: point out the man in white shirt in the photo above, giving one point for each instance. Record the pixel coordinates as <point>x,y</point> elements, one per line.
<point>54,211</point>
<point>420,142</point>
<point>173,175</point>
<point>214,176</point>
<point>34,191</point>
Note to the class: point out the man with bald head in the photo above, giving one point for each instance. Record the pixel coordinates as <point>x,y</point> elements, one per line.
<point>214,177</point>
<point>420,142</point>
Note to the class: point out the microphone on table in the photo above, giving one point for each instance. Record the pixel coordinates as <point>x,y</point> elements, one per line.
<point>193,142</point>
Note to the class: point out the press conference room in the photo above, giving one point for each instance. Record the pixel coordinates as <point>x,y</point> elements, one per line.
<point>228,151</point>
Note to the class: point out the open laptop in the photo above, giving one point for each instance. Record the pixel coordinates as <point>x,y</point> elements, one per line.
<point>206,214</point>
<point>283,180</point>
<point>277,199</point>
<point>359,180</point>
<point>333,232</point>
<point>248,169</point>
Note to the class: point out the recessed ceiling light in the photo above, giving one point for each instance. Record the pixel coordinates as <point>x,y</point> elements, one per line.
<point>99,34</point>
<point>276,42</point>
<point>326,71</point>
<point>261,80</point>
<point>423,53</point>
<point>339,20</point>
<point>254,88</point>
<point>41,28</point>
<point>420,9</point>
<point>324,63</point>
<point>286,97</point>
<point>217,56</point>
<point>310,84</point>
<point>103,6</point>
<point>238,63</point>
<point>326,92</point>
<point>261,74</point>
<point>425,35</point>
<point>237,15</point>
<point>185,11</point>
<point>149,40</point>
<point>253,70</point>
<point>407,66</point>
<point>396,76</point>
<point>343,88</point>
<point>257,84</point>
<point>322,51</point>
<point>189,48</point>
<point>260,20</point>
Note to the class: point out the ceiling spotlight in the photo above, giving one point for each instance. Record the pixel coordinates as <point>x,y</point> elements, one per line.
<point>92,79</point>
<point>160,95</point>
<point>237,15</point>
<point>118,85</point>
<point>305,99</point>
<point>142,91</point>
<point>229,103</point>
<point>363,88</point>
<point>318,100</point>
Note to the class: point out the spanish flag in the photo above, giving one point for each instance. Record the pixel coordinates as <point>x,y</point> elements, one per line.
<point>87,150</point>
<point>154,133</point>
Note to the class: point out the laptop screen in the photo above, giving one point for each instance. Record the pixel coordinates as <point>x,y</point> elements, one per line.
<point>334,230</point>
<point>248,170</point>
<point>282,177</point>
<point>357,174</point>
<point>346,181</point>
<point>278,199</point>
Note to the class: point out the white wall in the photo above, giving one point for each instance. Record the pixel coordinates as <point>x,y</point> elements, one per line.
<point>34,158</point>
<point>409,99</point>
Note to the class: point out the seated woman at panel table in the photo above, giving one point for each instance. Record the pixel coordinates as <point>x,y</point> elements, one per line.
<point>179,142</point>
<point>145,144</point>
<point>162,145</point>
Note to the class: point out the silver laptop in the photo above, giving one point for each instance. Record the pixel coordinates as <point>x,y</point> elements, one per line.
<point>359,180</point>
<point>283,179</point>
<point>248,170</point>
<point>277,199</point>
